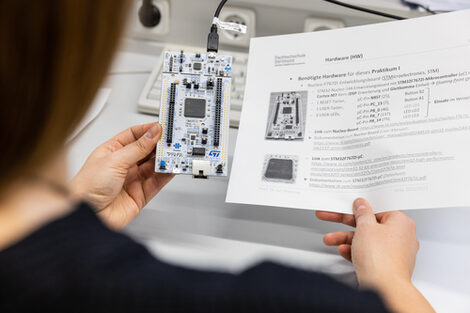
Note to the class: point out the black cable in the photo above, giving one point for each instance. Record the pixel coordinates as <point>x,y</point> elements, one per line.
<point>366,10</point>
<point>213,38</point>
<point>425,8</point>
<point>219,8</point>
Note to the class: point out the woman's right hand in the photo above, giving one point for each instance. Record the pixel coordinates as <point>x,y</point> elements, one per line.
<point>383,250</point>
<point>383,245</point>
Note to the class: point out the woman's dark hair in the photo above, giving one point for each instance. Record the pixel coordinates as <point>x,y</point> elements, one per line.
<point>54,55</point>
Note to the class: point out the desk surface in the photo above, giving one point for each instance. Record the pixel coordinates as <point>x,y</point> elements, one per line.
<point>189,222</point>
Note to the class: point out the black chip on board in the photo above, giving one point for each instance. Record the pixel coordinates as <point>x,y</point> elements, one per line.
<point>198,151</point>
<point>195,107</point>
<point>287,110</point>
<point>280,169</point>
<point>197,66</point>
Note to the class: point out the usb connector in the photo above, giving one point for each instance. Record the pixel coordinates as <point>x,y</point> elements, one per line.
<point>213,40</point>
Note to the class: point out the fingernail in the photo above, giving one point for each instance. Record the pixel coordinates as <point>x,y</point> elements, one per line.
<point>152,132</point>
<point>361,207</point>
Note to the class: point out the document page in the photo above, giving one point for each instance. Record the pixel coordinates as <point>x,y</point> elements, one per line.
<point>379,111</point>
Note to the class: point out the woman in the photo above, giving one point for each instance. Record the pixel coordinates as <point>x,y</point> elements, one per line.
<point>59,249</point>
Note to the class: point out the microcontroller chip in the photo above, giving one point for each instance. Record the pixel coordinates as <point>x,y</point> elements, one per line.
<point>198,151</point>
<point>287,110</point>
<point>197,66</point>
<point>280,169</point>
<point>194,107</point>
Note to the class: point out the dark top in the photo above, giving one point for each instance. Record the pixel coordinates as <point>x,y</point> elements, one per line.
<point>77,264</point>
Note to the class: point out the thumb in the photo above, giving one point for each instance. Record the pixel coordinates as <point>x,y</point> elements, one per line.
<point>363,212</point>
<point>139,149</point>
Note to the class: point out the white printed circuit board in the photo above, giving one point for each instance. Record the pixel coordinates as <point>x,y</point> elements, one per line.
<point>286,118</point>
<point>194,114</point>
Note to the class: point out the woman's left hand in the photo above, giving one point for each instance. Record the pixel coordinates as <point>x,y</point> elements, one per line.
<point>118,178</point>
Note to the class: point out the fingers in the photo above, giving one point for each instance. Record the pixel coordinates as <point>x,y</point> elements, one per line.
<point>341,239</point>
<point>338,238</point>
<point>143,184</point>
<point>363,212</point>
<point>399,220</point>
<point>151,157</point>
<point>146,169</point>
<point>345,252</point>
<point>396,216</point>
<point>139,149</point>
<point>152,182</point>
<point>346,219</point>
<point>383,218</point>
<point>131,134</point>
<point>155,183</point>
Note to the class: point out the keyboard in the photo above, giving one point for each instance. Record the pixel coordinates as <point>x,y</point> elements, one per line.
<point>149,100</point>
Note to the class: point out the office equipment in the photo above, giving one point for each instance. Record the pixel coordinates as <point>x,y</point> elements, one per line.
<point>242,16</point>
<point>151,17</point>
<point>149,100</point>
<point>314,24</point>
<point>149,14</point>
<point>194,114</point>
<point>195,108</point>
<point>295,15</point>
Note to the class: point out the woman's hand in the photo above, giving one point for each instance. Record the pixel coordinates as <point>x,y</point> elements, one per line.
<point>383,245</point>
<point>383,250</point>
<point>118,178</point>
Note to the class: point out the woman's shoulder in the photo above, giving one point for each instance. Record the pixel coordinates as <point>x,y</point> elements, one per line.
<point>64,261</point>
<point>74,241</point>
<point>79,229</point>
